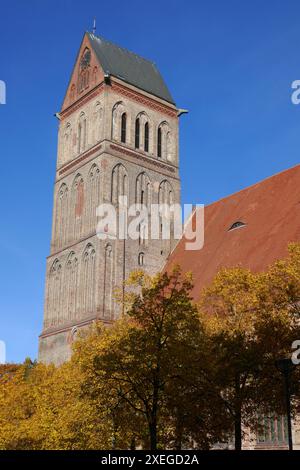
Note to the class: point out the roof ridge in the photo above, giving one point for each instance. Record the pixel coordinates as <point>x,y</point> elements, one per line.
<point>130,67</point>
<point>254,184</point>
<point>96,36</point>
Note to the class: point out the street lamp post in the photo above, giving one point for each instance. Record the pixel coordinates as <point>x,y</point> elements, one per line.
<point>285,367</point>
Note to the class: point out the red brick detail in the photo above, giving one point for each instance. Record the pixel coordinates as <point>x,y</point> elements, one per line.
<point>151,103</point>
<point>79,200</point>
<point>83,100</point>
<point>141,157</point>
<point>80,159</point>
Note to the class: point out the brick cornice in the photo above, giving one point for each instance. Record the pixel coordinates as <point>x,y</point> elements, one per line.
<point>142,99</point>
<point>143,158</point>
<point>122,90</point>
<point>83,100</point>
<point>84,156</point>
<point>62,329</point>
<point>71,245</point>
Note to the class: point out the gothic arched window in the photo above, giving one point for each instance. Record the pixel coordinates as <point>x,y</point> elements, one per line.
<point>119,183</point>
<point>61,220</point>
<point>82,133</point>
<point>67,143</point>
<point>117,117</point>
<point>165,200</point>
<point>164,141</point>
<point>141,259</point>
<point>108,282</point>
<point>70,283</point>
<point>55,293</point>
<point>77,208</point>
<point>143,189</point>
<point>88,291</point>
<point>98,123</point>
<point>159,142</point>
<point>137,133</point>
<point>146,137</point>
<point>84,74</point>
<point>93,197</point>
<point>143,197</point>
<point>123,127</point>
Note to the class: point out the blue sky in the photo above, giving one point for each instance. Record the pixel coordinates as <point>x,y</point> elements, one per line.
<point>230,63</point>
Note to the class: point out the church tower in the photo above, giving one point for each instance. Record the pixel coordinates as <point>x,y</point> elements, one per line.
<point>118,135</point>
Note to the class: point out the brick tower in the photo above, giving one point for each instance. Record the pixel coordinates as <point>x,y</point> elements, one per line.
<point>118,135</point>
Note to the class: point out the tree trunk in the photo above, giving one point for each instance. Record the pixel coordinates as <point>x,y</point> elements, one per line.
<point>132,444</point>
<point>153,435</point>
<point>153,414</point>
<point>238,415</point>
<point>238,431</point>
<point>178,431</point>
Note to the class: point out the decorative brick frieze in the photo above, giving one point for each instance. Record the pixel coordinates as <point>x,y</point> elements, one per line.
<point>61,329</point>
<point>82,101</point>
<point>79,159</point>
<point>144,100</point>
<point>130,153</point>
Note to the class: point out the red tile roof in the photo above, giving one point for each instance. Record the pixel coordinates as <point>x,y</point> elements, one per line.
<point>271,211</point>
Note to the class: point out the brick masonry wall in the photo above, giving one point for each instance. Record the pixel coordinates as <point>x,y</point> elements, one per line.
<point>82,270</point>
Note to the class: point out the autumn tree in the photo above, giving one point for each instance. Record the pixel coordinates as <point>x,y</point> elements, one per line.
<point>146,360</point>
<point>251,320</point>
<point>41,408</point>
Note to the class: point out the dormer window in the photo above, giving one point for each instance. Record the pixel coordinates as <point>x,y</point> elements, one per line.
<point>237,224</point>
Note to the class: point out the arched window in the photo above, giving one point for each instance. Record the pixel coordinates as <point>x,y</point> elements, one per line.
<point>81,133</point>
<point>143,197</point>
<point>165,200</point>
<point>67,143</point>
<point>77,208</point>
<point>137,133</point>
<point>84,73</point>
<point>88,291</point>
<point>123,128</point>
<point>169,146</point>
<point>117,118</point>
<point>61,220</point>
<point>55,294</point>
<point>146,137</point>
<point>70,285</point>
<point>164,142</point>
<point>141,259</point>
<point>93,198</point>
<point>159,139</point>
<point>119,184</point>
<point>143,189</point>
<point>98,123</point>
<point>108,283</point>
